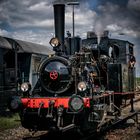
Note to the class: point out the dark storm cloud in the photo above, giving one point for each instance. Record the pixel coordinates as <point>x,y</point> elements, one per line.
<point>29,20</point>
<point>34,13</point>
<point>134,4</point>
<point>116,16</point>
<point>32,20</point>
<point>126,17</point>
<point>118,2</point>
<point>25,13</point>
<point>121,19</point>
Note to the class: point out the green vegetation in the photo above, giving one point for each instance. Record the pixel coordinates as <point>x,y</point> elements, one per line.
<point>138,81</point>
<point>9,122</point>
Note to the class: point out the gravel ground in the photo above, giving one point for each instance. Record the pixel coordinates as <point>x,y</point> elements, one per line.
<point>14,134</point>
<point>127,133</point>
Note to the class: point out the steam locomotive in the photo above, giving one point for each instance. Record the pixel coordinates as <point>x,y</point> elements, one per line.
<point>81,86</point>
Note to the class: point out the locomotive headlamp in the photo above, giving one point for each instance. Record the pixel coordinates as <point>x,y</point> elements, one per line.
<point>82,86</point>
<point>76,103</point>
<point>25,87</point>
<point>54,42</point>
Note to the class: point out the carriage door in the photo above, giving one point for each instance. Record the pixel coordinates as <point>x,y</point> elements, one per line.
<point>9,70</point>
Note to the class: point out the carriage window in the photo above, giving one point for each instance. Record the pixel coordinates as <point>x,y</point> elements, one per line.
<point>131,49</point>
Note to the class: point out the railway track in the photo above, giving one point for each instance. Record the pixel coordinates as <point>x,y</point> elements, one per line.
<point>56,135</point>
<point>118,123</point>
<point>77,136</point>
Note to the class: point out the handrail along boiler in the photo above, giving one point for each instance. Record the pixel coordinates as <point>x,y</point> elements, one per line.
<point>79,87</point>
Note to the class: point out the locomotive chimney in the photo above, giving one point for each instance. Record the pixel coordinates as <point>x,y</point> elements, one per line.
<point>59,21</point>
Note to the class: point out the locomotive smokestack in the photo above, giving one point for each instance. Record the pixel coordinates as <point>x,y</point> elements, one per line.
<point>59,21</point>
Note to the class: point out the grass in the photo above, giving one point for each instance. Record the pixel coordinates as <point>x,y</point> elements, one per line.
<point>138,80</point>
<point>9,122</point>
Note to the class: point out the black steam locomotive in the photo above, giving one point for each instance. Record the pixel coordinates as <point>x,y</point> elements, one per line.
<point>82,86</point>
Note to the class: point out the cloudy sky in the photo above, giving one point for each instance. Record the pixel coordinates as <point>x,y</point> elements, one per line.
<point>32,20</point>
